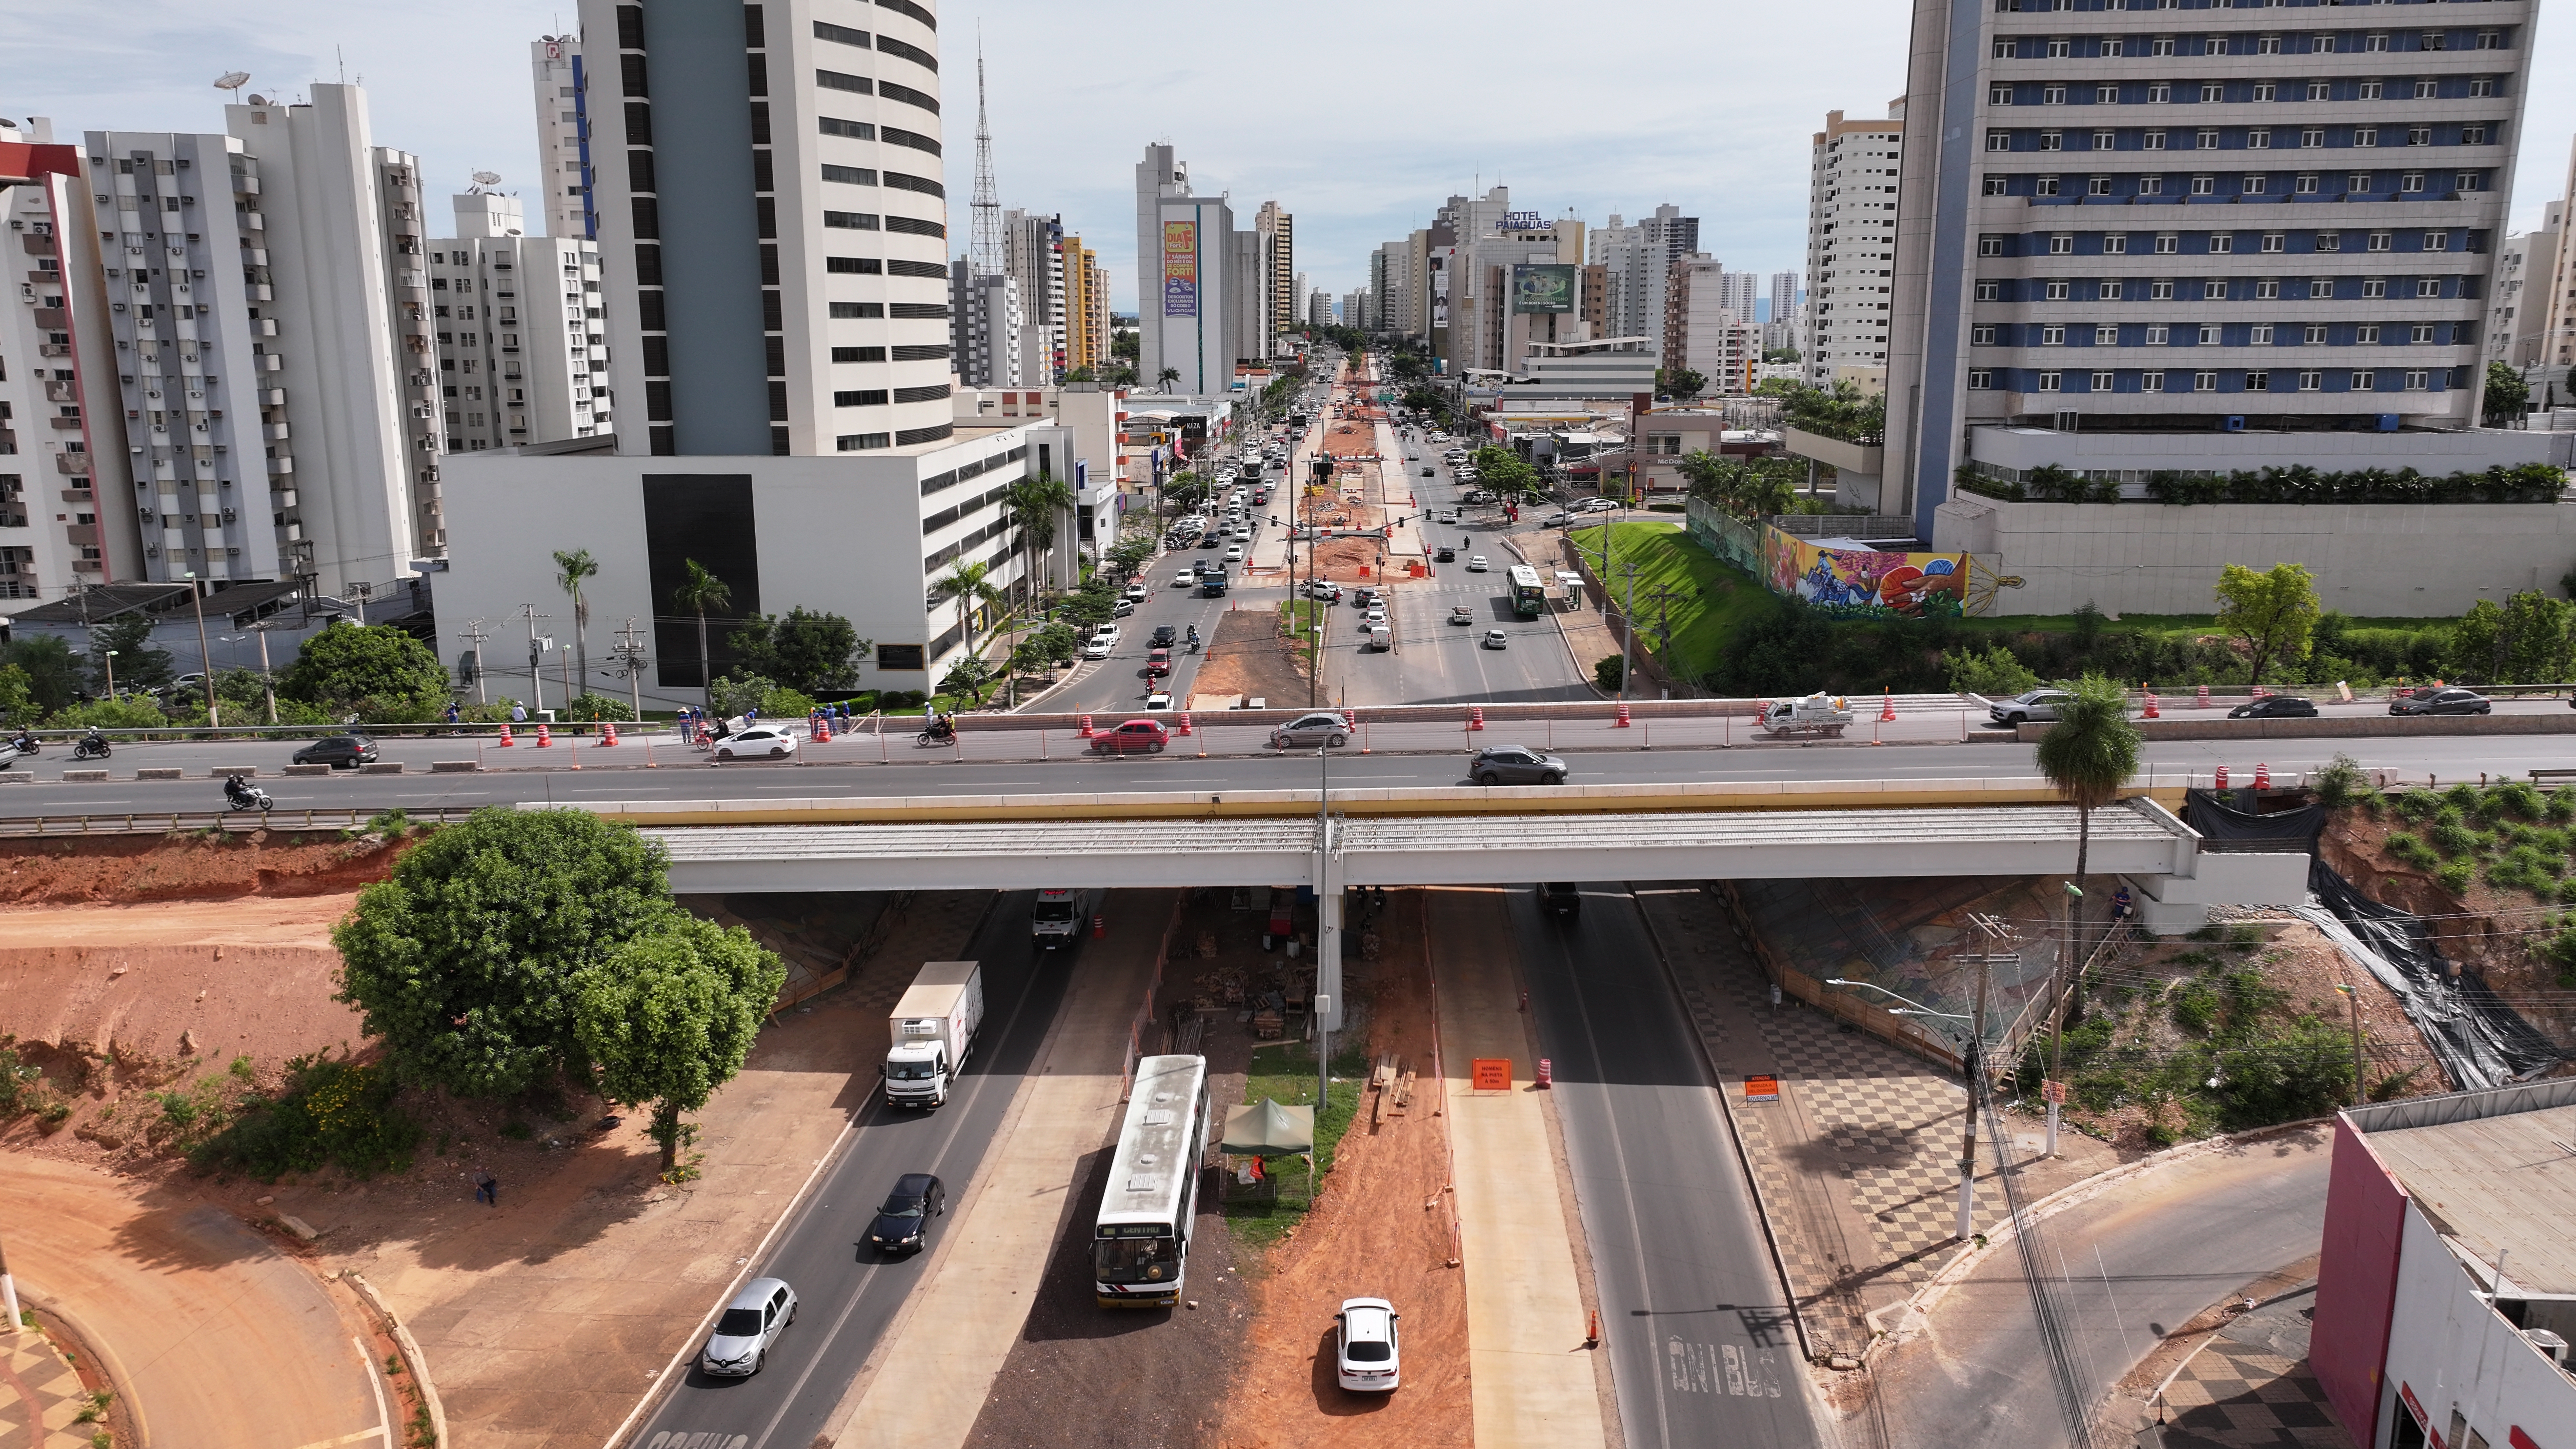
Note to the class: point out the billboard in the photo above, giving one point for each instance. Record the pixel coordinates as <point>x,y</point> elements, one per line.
<point>1180,269</point>
<point>1543,287</point>
<point>1861,581</point>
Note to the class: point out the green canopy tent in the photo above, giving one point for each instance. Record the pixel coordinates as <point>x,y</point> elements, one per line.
<point>1265,1129</point>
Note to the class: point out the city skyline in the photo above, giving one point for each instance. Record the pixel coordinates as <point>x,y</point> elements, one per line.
<point>457,94</point>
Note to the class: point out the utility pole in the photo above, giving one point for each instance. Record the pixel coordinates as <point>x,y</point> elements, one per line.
<point>2352,1000</point>
<point>536,660</point>
<point>1996,933</point>
<point>267,679</point>
<point>630,647</point>
<point>474,635</point>
<point>205,654</point>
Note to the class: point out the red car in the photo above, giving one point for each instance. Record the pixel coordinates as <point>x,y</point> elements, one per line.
<point>1136,736</point>
<point>1158,662</point>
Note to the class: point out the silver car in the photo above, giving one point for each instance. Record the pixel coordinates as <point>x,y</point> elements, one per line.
<point>2038,704</point>
<point>1515,765</point>
<point>1308,731</point>
<point>747,1328</point>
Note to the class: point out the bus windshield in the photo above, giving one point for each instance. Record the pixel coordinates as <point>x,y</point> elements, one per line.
<point>1133,1260</point>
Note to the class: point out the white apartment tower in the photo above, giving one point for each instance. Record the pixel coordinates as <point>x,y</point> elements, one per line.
<point>522,345</point>
<point>1278,232</point>
<point>1851,248</point>
<point>988,327</point>
<point>1185,264</point>
<point>1637,259</point>
<point>2167,224</point>
<point>563,134</point>
<point>1033,253</point>
<point>1703,331</point>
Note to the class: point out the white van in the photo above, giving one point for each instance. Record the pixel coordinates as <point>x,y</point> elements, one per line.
<point>1381,638</point>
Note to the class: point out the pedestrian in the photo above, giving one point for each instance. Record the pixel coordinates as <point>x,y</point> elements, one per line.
<point>487,1188</point>
<point>518,714</point>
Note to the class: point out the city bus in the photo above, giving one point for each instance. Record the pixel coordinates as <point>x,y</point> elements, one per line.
<point>1529,596</point>
<point>1140,1246</point>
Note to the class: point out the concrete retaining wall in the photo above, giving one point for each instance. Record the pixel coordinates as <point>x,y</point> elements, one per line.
<point>2368,727</point>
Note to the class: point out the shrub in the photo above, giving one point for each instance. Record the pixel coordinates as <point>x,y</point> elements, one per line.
<point>331,1111</point>
<point>2456,876</point>
<point>2195,1006</point>
<point>2340,783</point>
<point>2416,805</point>
<point>2412,850</point>
<point>1610,671</point>
<point>1996,674</point>
<point>2456,840</point>
<point>2562,804</point>
<point>2513,798</point>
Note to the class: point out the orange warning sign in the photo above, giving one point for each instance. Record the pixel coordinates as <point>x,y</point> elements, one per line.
<point>1493,1074</point>
<point>1761,1089</point>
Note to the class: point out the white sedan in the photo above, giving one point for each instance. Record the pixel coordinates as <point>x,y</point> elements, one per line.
<point>1137,591</point>
<point>1475,563</point>
<point>761,741</point>
<point>1185,579</point>
<point>1368,1359</point>
<point>1099,645</point>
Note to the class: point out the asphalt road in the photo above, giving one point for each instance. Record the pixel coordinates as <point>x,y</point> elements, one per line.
<point>931,772</point>
<point>848,1294</point>
<point>1696,1323</point>
<point>2128,1267</point>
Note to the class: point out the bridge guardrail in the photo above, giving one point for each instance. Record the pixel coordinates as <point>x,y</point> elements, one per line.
<point>241,822</point>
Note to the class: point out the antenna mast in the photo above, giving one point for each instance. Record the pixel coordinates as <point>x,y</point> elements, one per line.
<point>988,197</point>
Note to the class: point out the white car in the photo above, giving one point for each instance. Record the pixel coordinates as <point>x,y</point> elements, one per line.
<point>1234,553</point>
<point>1367,1358</point>
<point>1185,579</point>
<point>1497,639</point>
<point>1099,646</point>
<point>1157,703</point>
<point>1475,563</point>
<point>1449,517</point>
<point>1597,505</point>
<point>751,1323</point>
<point>1136,592</point>
<point>761,741</point>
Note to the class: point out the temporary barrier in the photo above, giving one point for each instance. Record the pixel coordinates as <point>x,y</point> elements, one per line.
<point>2262,776</point>
<point>607,733</point>
<point>545,736</point>
<point>2152,711</point>
<point>1185,724</point>
<point>2222,778</point>
<point>506,741</point>
<point>2204,698</point>
<point>1475,717</point>
<point>1622,721</point>
<point>1085,731</point>
<point>1887,707</point>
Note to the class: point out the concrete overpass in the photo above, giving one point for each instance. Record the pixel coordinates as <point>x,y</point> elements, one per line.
<point>1452,837</point>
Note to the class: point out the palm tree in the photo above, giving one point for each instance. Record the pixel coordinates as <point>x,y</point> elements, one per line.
<point>2087,755</point>
<point>965,583</point>
<point>698,592</point>
<point>1036,505</point>
<point>573,567</point>
<point>1167,377</point>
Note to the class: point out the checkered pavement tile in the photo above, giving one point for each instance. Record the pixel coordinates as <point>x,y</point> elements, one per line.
<point>2235,1394</point>
<point>40,1395</point>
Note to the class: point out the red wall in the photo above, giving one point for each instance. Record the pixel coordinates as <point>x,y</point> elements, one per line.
<point>2356,1282</point>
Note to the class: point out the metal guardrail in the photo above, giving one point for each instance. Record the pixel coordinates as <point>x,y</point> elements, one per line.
<point>174,822</point>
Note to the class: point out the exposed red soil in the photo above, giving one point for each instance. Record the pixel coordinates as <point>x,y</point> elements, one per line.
<point>125,869</point>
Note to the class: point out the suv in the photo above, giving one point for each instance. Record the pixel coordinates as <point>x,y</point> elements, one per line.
<point>2037,704</point>
<point>1515,765</point>
<point>341,751</point>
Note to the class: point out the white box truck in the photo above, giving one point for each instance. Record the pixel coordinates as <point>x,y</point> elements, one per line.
<point>932,1030</point>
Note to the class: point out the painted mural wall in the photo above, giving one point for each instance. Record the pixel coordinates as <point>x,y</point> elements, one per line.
<point>1863,582</point>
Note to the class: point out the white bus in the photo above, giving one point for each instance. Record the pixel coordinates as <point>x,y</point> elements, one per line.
<point>1140,1246</point>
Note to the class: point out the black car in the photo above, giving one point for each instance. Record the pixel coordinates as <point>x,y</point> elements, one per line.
<point>1446,555</point>
<point>2441,701</point>
<point>2275,706</point>
<point>340,752</point>
<point>1164,635</point>
<point>903,1224</point>
<point>1563,897</point>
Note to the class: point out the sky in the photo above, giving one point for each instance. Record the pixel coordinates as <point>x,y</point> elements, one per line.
<point>1360,119</point>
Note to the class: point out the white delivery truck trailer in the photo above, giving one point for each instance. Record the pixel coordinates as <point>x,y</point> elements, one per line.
<point>931,1031</point>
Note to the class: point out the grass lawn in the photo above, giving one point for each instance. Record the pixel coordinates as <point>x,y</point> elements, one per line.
<point>1297,617</point>
<point>1704,597</point>
<point>1285,1073</point>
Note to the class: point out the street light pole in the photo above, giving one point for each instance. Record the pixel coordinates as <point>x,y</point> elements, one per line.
<point>2352,999</point>
<point>109,657</point>
<point>205,653</point>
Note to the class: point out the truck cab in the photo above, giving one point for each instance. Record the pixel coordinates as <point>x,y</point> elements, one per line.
<point>1056,920</point>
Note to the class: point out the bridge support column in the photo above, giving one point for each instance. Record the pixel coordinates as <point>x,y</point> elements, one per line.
<point>1328,876</point>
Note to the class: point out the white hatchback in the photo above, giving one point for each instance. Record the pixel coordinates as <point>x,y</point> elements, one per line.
<point>761,741</point>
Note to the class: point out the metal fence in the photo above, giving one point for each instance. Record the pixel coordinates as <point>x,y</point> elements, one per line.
<point>176,822</point>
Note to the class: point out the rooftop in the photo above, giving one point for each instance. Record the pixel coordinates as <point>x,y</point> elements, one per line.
<point>2495,1171</point>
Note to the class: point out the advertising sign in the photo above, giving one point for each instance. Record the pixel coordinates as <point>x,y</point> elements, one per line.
<point>1520,221</point>
<point>1543,287</point>
<point>1180,269</point>
<point>1860,582</point>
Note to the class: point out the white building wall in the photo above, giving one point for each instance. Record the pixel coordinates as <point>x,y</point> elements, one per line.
<point>2465,1368</point>
<point>515,317</point>
<point>557,74</point>
<point>1851,248</point>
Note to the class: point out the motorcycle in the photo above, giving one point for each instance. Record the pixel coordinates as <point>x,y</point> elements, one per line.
<point>25,744</point>
<point>938,734</point>
<point>91,748</point>
<point>241,795</point>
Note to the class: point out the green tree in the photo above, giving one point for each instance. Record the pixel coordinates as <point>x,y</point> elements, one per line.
<point>464,961</point>
<point>1994,674</point>
<point>968,584</point>
<point>571,569</point>
<point>1125,344</point>
<point>2508,396</point>
<point>1082,374</point>
<point>811,653</point>
<point>2274,613</point>
<point>2536,646</point>
<point>739,694</point>
<point>1037,507</point>
<point>670,1015</point>
<point>1680,382</point>
<point>1167,377</point>
<point>1751,489</point>
<point>51,670</point>
<point>2087,756</point>
<point>1131,553</point>
<point>698,592</point>
<point>140,668</point>
<point>375,671</point>
<point>1122,375</point>
<point>2477,645</point>
<point>1504,472</point>
<point>967,679</point>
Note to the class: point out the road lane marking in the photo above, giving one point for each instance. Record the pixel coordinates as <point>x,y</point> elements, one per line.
<point>352,1438</point>
<point>375,1385</point>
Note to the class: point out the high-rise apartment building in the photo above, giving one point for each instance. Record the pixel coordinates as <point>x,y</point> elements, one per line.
<point>1033,253</point>
<point>1355,309</point>
<point>1703,331</point>
<point>1319,310</point>
<point>2557,343</point>
<point>1637,260</point>
<point>1278,232</point>
<point>1852,176</point>
<point>2518,314</point>
<point>1186,260</point>
<point>563,134</point>
<point>2169,223</point>
<point>522,342</point>
<point>1086,308</point>
<point>773,242</point>
<point>987,326</point>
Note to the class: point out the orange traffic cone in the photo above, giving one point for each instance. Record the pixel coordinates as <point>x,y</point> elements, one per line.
<point>2152,711</point>
<point>2222,778</point>
<point>2203,701</point>
<point>1887,706</point>
<point>1622,721</point>
<point>2262,776</point>
<point>545,736</point>
<point>1475,717</point>
<point>1085,731</point>
<point>607,733</point>
<point>506,741</point>
<point>1185,724</point>
<point>822,729</point>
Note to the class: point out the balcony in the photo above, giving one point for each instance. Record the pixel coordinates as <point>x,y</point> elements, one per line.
<point>281,467</point>
<point>52,319</point>
<point>72,465</point>
<point>86,566</point>
<point>65,424</point>
<point>274,432</point>
<point>80,495</point>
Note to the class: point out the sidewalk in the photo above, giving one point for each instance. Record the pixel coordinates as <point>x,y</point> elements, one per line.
<point>39,1394</point>
<point>1530,1383</point>
<point>938,1360</point>
<point>1857,1161</point>
<point>2248,1384</point>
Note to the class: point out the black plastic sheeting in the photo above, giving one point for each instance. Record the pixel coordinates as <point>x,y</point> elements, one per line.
<point>2478,1039</point>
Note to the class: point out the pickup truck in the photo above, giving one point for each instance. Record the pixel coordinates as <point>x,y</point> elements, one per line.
<point>1814,717</point>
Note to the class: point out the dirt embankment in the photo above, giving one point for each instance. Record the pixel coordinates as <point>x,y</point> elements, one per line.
<point>1248,656</point>
<point>125,870</point>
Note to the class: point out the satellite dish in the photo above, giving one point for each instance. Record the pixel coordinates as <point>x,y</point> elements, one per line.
<point>487,178</point>
<point>257,99</point>
<point>232,80</point>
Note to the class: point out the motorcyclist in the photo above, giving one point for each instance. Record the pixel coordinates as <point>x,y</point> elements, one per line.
<point>238,794</point>
<point>92,746</point>
<point>24,742</point>
<point>1194,638</point>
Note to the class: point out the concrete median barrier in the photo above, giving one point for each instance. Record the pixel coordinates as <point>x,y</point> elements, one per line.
<point>382,767</point>
<point>220,771</point>
<point>2339,727</point>
<point>454,767</point>
<point>84,777</point>
<point>306,771</point>
<point>161,772</point>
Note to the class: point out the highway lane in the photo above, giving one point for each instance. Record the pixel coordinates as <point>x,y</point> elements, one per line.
<point>847,1294</point>
<point>1696,1323</point>
<point>934,773</point>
